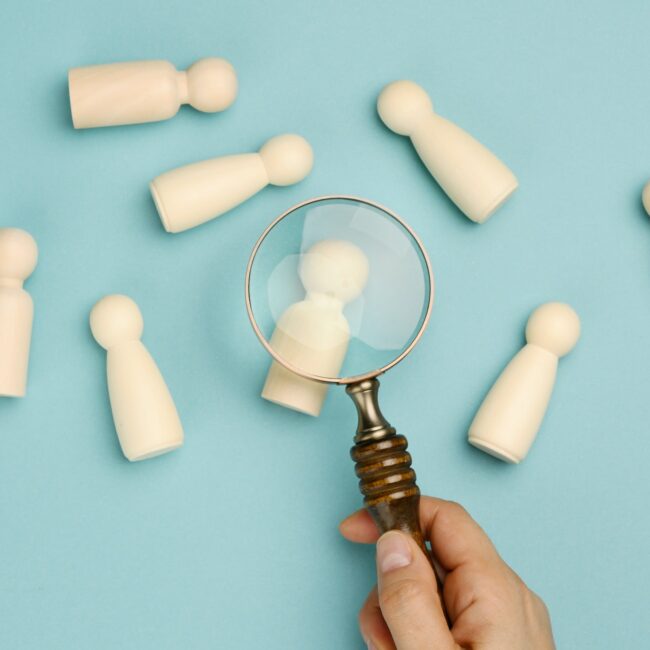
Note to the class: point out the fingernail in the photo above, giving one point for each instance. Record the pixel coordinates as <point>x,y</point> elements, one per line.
<point>370,644</point>
<point>393,552</point>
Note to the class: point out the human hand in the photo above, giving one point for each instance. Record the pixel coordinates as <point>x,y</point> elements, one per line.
<point>488,605</point>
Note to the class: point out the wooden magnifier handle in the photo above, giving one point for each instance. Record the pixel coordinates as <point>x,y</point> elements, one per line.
<point>386,478</point>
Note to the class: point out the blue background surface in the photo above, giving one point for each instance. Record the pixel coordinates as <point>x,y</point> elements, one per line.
<point>231,542</point>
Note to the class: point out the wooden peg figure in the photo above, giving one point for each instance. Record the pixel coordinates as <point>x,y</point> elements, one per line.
<point>507,422</point>
<point>18,257</point>
<point>188,196</point>
<point>471,175</point>
<point>147,91</point>
<point>144,413</point>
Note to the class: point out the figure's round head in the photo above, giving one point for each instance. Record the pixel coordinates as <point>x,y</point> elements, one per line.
<point>287,158</point>
<point>646,197</point>
<point>18,254</point>
<point>211,84</point>
<point>115,319</point>
<point>555,327</point>
<point>402,104</point>
<point>335,268</point>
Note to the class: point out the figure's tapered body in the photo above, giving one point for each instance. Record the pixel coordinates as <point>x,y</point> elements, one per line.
<point>469,173</point>
<point>18,257</point>
<point>145,417</point>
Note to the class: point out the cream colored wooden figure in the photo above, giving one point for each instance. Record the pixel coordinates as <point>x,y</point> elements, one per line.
<point>189,196</point>
<point>507,422</point>
<point>147,91</point>
<point>471,175</point>
<point>646,197</point>
<point>313,334</point>
<point>145,417</point>
<point>18,257</point>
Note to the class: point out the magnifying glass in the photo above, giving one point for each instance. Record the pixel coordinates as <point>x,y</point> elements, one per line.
<point>339,290</point>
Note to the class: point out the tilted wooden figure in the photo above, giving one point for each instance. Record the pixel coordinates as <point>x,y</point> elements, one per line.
<point>507,422</point>
<point>191,195</point>
<point>471,175</point>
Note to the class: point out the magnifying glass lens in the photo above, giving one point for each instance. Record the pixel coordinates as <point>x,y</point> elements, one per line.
<point>339,288</point>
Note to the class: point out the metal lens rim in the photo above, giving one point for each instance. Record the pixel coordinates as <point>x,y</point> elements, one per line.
<point>355,378</point>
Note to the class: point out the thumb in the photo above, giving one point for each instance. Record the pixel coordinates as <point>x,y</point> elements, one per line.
<point>408,595</point>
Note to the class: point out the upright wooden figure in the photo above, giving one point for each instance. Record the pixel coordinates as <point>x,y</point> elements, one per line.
<point>144,413</point>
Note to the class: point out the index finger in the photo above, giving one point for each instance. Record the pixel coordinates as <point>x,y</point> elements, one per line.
<point>455,538</point>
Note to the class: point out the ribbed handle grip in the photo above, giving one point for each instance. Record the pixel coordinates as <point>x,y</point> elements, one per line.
<point>383,465</point>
